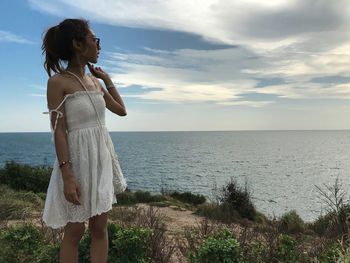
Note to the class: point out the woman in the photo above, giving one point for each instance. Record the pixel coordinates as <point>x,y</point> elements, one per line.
<point>81,185</point>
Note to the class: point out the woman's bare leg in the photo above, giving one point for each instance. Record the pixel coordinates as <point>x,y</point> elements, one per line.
<point>73,233</point>
<point>99,238</point>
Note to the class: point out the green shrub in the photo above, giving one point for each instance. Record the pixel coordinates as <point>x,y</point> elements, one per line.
<point>333,223</point>
<point>126,198</point>
<point>237,199</point>
<point>331,254</point>
<point>287,250</point>
<point>284,250</point>
<point>42,195</point>
<point>128,245</point>
<point>25,177</point>
<point>158,198</point>
<point>188,197</point>
<point>220,247</point>
<point>21,243</point>
<point>291,223</point>
<point>50,253</point>
<point>147,197</point>
<point>125,245</point>
<point>221,212</point>
<point>341,224</point>
<point>322,223</point>
<point>209,210</point>
<point>143,196</point>
<point>260,218</point>
<point>129,198</point>
<point>258,252</point>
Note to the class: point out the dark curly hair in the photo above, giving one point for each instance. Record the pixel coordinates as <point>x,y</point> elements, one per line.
<point>58,42</point>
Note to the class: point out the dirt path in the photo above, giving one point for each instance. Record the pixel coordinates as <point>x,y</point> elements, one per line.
<point>176,218</point>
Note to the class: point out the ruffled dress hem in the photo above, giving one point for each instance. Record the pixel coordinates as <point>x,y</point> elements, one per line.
<point>56,226</point>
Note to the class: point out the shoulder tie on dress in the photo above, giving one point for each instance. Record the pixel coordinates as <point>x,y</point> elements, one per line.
<point>59,114</point>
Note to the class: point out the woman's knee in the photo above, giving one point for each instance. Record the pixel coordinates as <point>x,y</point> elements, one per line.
<point>98,226</point>
<point>74,232</point>
<point>98,231</point>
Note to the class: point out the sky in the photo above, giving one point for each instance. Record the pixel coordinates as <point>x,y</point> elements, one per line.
<point>191,65</point>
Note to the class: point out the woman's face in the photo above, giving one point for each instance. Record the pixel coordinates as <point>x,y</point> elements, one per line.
<point>92,47</point>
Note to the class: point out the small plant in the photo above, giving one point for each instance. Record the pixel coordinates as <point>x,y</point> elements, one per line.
<point>128,245</point>
<point>188,197</point>
<point>287,250</point>
<point>158,198</point>
<point>222,212</point>
<point>210,210</point>
<point>291,223</point>
<point>21,243</point>
<point>284,250</point>
<point>126,198</point>
<point>331,254</point>
<point>335,223</point>
<point>258,252</point>
<point>50,254</point>
<point>42,195</point>
<point>237,199</point>
<point>220,247</point>
<point>260,218</point>
<point>143,196</point>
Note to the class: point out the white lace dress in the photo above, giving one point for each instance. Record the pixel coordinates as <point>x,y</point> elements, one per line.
<point>91,162</point>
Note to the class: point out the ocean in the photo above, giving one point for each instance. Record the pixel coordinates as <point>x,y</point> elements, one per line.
<point>280,168</point>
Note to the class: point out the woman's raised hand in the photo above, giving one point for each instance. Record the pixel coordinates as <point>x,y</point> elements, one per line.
<point>97,72</point>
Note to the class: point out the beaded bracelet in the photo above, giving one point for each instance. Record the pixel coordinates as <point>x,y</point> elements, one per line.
<point>64,162</point>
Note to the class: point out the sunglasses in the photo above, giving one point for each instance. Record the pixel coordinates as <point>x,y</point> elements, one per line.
<point>96,40</point>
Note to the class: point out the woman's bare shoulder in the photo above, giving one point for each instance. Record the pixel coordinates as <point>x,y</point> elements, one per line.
<point>57,83</point>
<point>56,86</point>
<point>57,79</point>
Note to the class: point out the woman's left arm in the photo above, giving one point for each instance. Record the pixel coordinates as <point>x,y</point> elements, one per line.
<point>112,98</point>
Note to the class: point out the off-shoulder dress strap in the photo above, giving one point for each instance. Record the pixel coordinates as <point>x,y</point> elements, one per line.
<point>59,114</point>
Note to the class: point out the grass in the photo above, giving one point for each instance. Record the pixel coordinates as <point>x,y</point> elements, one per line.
<point>18,205</point>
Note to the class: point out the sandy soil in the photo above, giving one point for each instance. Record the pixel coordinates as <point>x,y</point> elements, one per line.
<point>176,218</point>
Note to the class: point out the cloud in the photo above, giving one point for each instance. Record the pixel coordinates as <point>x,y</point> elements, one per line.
<point>37,95</point>
<point>255,104</point>
<point>184,75</point>
<point>244,22</point>
<point>6,36</point>
<point>36,86</point>
<point>296,41</point>
<point>227,76</point>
